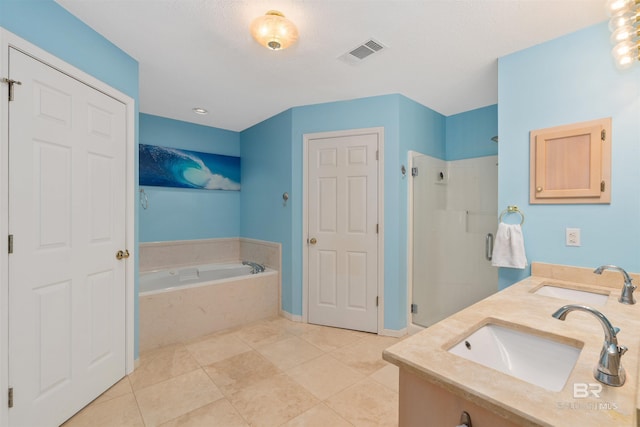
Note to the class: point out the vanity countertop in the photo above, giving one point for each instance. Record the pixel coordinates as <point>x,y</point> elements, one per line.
<point>426,355</point>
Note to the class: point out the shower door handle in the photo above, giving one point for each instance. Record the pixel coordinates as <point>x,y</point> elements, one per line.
<point>488,246</point>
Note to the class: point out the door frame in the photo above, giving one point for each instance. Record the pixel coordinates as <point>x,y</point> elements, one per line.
<point>10,40</point>
<point>379,131</point>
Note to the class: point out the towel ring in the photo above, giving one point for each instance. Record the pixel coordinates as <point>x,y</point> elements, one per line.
<point>511,209</point>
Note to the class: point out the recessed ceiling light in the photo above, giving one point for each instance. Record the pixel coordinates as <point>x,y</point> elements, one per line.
<point>200,110</point>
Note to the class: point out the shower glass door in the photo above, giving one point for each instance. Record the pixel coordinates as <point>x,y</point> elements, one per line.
<point>454,207</point>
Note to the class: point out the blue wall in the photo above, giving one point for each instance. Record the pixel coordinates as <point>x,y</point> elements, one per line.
<point>567,80</point>
<point>266,175</point>
<point>272,156</point>
<point>379,111</point>
<point>469,134</point>
<point>49,26</point>
<point>180,213</point>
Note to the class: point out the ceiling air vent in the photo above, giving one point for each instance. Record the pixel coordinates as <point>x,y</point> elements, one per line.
<point>366,49</point>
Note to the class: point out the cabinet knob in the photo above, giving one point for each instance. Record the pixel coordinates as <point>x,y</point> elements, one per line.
<point>539,189</point>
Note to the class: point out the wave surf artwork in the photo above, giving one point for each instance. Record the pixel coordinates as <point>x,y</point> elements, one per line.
<point>173,167</point>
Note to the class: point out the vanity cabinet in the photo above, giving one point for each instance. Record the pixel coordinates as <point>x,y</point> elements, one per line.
<point>571,163</point>
<point>424,404</point>
<point>436,385</point>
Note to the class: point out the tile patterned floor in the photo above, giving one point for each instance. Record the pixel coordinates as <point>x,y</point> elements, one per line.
<point>270,373</point>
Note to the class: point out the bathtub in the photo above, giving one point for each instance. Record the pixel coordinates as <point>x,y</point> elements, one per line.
<point>185,303</point>
<point>183,277</point>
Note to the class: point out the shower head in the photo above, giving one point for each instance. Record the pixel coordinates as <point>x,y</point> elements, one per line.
<point>495,139</point>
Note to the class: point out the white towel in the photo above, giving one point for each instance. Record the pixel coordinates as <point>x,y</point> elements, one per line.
<point>508,250</point>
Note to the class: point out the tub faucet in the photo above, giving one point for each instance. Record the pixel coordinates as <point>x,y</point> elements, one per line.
<point>255,267</point>
<point>609,370</point>
<point>627,290</point>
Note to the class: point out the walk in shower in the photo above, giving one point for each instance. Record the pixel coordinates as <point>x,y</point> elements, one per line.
<point>453,219</point>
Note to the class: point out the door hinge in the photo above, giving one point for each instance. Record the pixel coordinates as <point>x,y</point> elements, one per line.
<point>414,308</point>
<point>377,155</point>
<point>603,135</point>
<point>10,397</point>
<point>414,171</point>
<point>10,243</point>
<point>10,83</point>
<point>377,301</point>
<point>602,186</point>
<point>377,228</point>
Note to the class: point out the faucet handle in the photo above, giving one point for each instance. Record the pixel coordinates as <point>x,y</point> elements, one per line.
<point>616,330</point>
<point>622,349</point>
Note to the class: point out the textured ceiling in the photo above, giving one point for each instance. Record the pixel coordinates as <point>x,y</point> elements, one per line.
<point>440,53</point>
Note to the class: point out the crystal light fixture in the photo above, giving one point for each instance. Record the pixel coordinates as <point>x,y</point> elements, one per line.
<point>274,31</point>
<point>625,31</point>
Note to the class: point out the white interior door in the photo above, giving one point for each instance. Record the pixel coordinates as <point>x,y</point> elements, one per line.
<point>342,229</point>
<point>67,145</point>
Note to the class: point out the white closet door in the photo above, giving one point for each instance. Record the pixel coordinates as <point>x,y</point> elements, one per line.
<point>67,146</point>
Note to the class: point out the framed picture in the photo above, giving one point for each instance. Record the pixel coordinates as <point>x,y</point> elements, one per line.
<point>174,167</point>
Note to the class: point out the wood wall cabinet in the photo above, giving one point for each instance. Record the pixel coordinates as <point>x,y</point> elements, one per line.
<point>571,163</point>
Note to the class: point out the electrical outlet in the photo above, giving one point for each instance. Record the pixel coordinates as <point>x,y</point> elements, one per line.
<point>572,236</point>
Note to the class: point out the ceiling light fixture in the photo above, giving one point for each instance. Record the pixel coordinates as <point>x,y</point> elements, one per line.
<point>200,110</point>
<point>274,31</point>
<point>625,31</point>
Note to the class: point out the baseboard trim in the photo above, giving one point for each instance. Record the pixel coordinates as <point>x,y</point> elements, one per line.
<point>396,333</point>
<point>289,316</point>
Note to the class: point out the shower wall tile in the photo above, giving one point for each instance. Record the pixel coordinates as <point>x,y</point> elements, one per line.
<point>472,184</point>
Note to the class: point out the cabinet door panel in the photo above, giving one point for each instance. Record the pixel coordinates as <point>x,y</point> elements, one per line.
<point>571,164</point>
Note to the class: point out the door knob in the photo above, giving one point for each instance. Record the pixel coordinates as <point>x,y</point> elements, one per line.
<point>313,241</point>
<point>122,254</point>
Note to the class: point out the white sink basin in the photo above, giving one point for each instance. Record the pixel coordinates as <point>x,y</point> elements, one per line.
<point>575,295</point>
<point>536,360</point>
